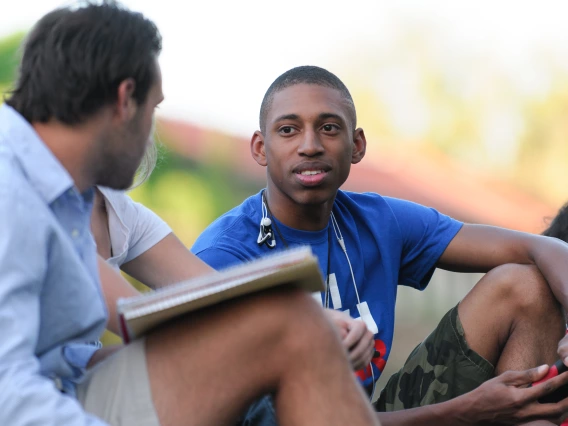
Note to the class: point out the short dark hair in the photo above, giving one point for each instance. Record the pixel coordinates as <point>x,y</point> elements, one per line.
<point>558,227</point>
<point>306,74</point>
<point>74,59</point>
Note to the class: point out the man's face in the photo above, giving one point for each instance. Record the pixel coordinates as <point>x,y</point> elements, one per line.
<point>126,146</point>
<point>309,143</point>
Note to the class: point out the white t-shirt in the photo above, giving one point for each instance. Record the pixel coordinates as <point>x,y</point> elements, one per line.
<point>133,228</point>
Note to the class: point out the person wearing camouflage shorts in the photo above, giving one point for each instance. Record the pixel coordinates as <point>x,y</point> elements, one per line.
<point>440,368</point>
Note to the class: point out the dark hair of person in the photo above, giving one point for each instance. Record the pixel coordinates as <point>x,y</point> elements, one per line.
<point>75,58</point>
<point>558,227</point>
<point>306,74</point>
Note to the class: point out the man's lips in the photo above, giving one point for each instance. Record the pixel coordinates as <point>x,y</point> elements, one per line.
<point>311,177</point>
<point>311,166</point>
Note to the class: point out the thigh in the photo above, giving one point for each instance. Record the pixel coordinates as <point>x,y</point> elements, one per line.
<point>118,390</point>
<point>440,368</point>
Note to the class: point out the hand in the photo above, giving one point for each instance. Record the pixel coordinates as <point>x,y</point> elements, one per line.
<point>563,349</point>
<point>356,338</point>
<point>506,400</point>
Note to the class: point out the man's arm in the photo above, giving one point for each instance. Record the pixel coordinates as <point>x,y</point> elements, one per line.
<point>502,400</point>
<point>26,396</point>
<point>114,287</point>
<point>479,248</point>
<point>167,262</point>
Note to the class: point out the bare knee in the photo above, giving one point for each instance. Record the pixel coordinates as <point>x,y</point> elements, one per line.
<point>523,288</point>
<point>299,318</point>
<point>292,331</point>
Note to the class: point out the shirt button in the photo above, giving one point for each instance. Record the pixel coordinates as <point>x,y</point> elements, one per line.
<point>75,233</point>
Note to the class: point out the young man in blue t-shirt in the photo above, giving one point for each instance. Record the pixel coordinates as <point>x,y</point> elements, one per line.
<point>368,244</point>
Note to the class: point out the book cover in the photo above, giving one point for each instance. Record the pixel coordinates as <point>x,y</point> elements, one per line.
<point>298,267</point>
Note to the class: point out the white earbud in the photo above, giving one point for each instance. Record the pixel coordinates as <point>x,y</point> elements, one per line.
<point>265,233</point>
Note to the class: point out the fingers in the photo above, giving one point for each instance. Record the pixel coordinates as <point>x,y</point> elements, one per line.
<point>525,377</point>
<point>505,400</point>
<point>362,354</point>
<point>563,350</point>
<point>550,385</point>
<point>360,344</point>
<point>356,332</point>
<point>340,321</point>
<point>357,340</point>
<point>543,413</point>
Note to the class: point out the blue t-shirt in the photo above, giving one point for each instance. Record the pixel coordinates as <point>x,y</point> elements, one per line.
<point>389,242</point>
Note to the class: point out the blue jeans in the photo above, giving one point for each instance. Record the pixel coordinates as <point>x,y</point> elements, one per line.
<point>260,413</point>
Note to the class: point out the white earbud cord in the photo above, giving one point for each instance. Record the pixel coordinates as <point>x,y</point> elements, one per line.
<point>341,242</point>
<point>264,210</point>
<point>265,215</point>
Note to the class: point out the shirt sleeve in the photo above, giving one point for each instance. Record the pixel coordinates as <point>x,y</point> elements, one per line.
<point>145,228</point>
<point>425,235</point>
<point>26,396</point>
<point>219,258</point>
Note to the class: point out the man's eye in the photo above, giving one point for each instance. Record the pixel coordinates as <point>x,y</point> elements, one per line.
<point>330,127</point>
<point>286,130</point>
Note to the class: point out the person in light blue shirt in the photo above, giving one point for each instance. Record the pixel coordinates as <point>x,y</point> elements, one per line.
<point>45,245</point>
<point>81,115</point>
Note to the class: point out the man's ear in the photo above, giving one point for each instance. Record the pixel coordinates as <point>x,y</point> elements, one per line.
<point>257,148</point>
<point>359,146</point>
<point>126,105</point>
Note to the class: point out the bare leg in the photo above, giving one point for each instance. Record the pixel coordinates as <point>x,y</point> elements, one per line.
<point>208,367</point>
<point>512,319</point>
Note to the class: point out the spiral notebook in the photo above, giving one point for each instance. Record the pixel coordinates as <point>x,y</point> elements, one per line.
<point>139,314</point>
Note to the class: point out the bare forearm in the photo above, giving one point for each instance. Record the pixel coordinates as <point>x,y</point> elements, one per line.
<point>114,286</point>
<point>168,262</point>
<point>480,248</point>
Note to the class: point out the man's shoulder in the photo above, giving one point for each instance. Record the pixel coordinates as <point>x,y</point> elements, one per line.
<point>372,200</point>
<point>365,201</point>
<point>234,225</point>
<point>359,197</point>
<point>12,179</point>
<point>17,196</point>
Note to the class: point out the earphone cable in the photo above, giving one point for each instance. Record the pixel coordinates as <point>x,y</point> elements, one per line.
<point>339,237</point>
<point>341,242</point>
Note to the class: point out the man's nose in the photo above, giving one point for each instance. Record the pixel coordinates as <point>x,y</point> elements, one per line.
<point>311,144</point>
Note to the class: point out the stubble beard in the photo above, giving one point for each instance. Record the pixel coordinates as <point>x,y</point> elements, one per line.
<point>118,163</point>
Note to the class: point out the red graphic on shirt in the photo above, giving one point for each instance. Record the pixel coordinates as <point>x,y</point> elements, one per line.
<point>379,361</point>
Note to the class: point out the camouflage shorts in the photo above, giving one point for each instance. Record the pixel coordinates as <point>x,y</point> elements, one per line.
<point>440,368</point>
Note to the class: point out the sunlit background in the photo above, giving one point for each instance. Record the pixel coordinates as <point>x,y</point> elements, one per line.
<point>464,104</point>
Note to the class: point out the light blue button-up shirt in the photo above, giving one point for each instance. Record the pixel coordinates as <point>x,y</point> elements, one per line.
<point>51,304</point>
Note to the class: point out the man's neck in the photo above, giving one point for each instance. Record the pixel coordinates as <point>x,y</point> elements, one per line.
<point>303,217</point>
<point>72,147</point>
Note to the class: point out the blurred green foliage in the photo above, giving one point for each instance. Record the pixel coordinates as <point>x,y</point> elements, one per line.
<point>9,56</point>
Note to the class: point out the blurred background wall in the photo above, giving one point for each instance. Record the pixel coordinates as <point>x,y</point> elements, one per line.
<point>465,108</point>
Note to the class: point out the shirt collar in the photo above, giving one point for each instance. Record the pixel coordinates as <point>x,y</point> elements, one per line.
<point>41,167</point>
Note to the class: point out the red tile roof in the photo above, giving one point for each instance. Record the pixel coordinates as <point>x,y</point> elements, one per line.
<point>429,179</point>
